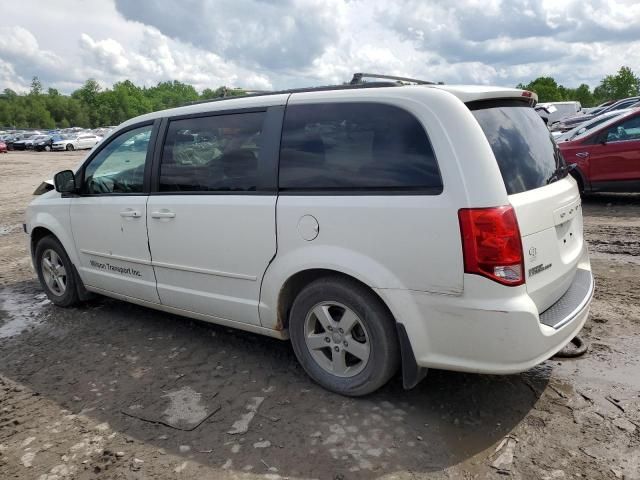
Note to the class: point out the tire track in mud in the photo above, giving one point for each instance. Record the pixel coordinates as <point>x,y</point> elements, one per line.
<point>614,242</point>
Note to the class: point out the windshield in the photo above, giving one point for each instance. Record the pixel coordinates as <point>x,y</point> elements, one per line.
<point>588,126</point>
<point>525,151</point>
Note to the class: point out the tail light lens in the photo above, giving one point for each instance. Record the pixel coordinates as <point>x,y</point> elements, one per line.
<point>491,244</point>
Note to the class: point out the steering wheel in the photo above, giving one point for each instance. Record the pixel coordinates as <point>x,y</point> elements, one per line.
<point>98,185</point>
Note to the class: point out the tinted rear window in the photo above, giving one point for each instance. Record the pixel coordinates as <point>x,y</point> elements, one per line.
<point>355,147</point>
<point>208,154</point>
<point>523,147</point>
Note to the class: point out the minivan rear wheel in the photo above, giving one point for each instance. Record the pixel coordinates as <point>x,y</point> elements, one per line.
<point>343,336</point>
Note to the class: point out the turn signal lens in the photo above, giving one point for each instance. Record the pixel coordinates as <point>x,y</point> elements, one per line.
<point>491,244</point>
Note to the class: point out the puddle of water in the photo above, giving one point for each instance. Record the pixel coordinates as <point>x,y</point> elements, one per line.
<point>23,311</point>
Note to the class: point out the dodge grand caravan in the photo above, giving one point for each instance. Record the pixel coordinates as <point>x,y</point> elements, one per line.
<point>377,226</point>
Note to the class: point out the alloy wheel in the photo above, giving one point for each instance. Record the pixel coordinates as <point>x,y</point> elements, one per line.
<point>337,339</point>
<point>54,273</point>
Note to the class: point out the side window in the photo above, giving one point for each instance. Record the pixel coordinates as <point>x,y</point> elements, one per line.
<point>119,166</point>
<point>624,131</point>
<point>208,154</point>
<point>356,147</point>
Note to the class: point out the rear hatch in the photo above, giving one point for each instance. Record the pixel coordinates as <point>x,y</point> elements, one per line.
<point>545,199</point>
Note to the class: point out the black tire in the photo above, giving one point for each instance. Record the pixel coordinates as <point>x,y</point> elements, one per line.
<point>384,356</point>
<point>47,148</point>
<point>70,296</point>
<point>70,147</point>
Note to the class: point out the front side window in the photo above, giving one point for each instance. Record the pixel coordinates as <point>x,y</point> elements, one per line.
<point>119,166</point>
<point>625,131</point>
<point>208,154</point>
<point>355,147</point>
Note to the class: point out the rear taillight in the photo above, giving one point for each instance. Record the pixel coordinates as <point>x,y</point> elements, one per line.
<point>491,244</point>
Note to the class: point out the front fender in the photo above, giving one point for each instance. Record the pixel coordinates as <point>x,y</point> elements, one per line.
<point>338,259</point>
<point>53,214</point>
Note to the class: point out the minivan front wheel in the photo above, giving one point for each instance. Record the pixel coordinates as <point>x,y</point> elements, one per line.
<point>55,272</point>
<point>343,336</point>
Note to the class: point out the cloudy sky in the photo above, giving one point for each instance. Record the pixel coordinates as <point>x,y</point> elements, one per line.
<point>283,43</point>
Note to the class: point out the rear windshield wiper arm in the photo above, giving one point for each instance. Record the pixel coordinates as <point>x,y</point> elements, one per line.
<point>561,172</point>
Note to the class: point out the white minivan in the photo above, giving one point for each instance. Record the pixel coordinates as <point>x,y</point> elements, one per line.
<point>377,226</point>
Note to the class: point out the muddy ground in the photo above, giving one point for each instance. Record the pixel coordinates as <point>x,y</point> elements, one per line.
<point>112,390</point>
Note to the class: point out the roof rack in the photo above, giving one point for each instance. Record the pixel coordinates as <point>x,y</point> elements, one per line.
<point>358,79</point>
<point>254,93</point>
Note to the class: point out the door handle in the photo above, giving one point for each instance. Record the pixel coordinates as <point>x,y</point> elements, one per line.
<point>130,213</point>
<point>582,154</point>
<point>162,214</point>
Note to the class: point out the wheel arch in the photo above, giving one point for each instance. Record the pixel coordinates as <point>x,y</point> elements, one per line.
<point>412,374</point>
<point>299,280</point>
<point>580,179</point>
<point>37,234</point>
<point>43,224</point>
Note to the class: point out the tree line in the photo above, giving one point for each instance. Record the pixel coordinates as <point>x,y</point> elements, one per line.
<point>625,83</point>
<point>92,106</point>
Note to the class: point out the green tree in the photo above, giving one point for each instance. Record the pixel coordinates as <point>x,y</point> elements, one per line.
<point>546,88</point>
<point>36,86</point>
<point>623,84</point>
<point>10,94</point>
<point>583,95</point>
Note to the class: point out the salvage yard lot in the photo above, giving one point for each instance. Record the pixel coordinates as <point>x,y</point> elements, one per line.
<point>113,390</point>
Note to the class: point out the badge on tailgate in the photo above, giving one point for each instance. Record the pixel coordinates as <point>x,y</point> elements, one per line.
<point>566,213</point>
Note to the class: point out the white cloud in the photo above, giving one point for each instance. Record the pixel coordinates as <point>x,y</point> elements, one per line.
<point>267,44</point>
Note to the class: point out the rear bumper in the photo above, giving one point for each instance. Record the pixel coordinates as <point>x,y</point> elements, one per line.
<point>496,331</point>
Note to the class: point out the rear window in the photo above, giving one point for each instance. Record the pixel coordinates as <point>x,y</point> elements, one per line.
<point>524,149</point>
<point>353,147</point>
<point>212,154</point>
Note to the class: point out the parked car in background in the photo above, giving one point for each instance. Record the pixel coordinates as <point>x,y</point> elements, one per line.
<point>3,147</point>
<point>36,139</point>
<point>44,144</point>
<point>9,140</point>
<point>76,142</point>
<point>607,158</point>
<point>571,122</point>
<point>598,109</point>
<point>554,111</point>
<point>24,142</point>
<point>588,125</point>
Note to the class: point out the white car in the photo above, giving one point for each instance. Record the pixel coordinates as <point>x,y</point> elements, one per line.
<point>413,226</point>
<point>77,142</point>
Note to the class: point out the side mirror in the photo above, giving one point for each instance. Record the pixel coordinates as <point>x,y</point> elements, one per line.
<point>65,181</point>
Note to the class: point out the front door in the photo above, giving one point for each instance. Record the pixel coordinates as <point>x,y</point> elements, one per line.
<point>211,219</point>
<point>108,219</point>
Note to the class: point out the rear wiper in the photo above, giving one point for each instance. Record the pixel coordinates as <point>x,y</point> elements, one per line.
<point>561,172</point>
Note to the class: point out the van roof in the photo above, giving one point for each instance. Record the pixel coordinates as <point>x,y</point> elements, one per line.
<point>466,93</point>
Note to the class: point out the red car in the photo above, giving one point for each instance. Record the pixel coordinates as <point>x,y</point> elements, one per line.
<point>607,157</point>
<point>3,147</point>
